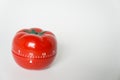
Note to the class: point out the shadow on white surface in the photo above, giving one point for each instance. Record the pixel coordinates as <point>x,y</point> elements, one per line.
<point>61,55</point>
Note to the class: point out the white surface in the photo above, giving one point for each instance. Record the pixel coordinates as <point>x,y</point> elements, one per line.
<point>88,35</point>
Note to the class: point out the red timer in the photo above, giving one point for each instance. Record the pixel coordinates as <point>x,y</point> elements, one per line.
<point>34,48</point>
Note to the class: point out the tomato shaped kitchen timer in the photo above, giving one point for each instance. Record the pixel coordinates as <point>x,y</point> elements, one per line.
<point>34,48</point>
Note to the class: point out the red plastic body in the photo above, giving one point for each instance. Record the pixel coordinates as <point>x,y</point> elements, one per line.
<point>34,48</point>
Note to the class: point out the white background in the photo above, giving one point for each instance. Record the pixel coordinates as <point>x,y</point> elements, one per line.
<point>87,31</point>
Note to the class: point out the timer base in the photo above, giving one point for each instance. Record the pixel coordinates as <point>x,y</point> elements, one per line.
<point>35,64</point>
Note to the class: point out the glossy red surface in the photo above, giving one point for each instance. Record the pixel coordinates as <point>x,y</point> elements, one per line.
<point>34,48</point>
